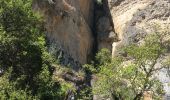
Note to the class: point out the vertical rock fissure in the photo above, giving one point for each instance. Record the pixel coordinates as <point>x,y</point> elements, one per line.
<point>104,32</point>
<point>95,43</point>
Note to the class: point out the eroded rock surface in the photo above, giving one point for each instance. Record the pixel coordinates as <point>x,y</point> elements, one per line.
<point>68,24</point>
<point>133,18</point>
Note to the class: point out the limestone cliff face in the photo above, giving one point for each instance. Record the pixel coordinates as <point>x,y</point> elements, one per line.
<point>133,18</point>
<point>87,9</point>
<point>68,24</point>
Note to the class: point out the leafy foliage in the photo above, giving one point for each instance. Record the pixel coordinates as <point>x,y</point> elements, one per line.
<point>26,69</point>
<point>130,77</point>
<point>99,1</point>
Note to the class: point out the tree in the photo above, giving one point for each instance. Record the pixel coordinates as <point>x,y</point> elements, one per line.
<point>128,78</point>
<point>23,51</point>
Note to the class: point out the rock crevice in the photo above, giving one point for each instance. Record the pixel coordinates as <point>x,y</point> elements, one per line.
<point>79,28</point>
<point>104,27</point>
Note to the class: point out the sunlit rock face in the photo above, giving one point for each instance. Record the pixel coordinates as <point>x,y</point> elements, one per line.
<point>68,24</point>
<point>133,18</point>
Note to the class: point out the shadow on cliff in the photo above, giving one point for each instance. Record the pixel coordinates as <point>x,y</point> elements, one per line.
<point>103,30</point>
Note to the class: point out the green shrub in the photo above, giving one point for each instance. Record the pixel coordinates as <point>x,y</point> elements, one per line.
<point>127,79</point>
<point>24,51</point>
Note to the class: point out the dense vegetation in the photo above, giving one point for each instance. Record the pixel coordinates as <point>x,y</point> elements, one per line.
<point>132,74</point>
<point>27,68</point>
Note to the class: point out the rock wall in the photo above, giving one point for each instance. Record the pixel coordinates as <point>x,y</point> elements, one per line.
<point>133,19</point>
<point>68,24</point>
<point>87,9</point>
